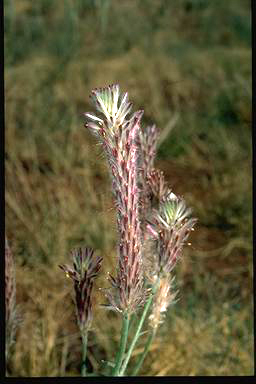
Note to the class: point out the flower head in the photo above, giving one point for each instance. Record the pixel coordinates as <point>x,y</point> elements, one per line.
<point>169,228</point>
<point>85,269</point>
<point>162,299</point>
<point>148,141</point>
<point>118,135</point>
<point>112,105</point>
<point>157,186</point>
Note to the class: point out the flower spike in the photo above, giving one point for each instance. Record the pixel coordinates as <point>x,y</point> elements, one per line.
<point>85,269</point>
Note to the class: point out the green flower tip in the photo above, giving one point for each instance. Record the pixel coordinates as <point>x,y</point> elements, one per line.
<point>109,101</point>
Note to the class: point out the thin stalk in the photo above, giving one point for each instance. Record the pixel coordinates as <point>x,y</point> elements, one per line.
<point>142,356</point>
<point>84,350</point>
<point>123,341</point>
<point>136,336</point>
<point>132,319</point>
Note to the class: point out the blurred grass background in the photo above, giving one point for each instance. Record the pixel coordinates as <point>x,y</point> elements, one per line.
<point>187,63</point>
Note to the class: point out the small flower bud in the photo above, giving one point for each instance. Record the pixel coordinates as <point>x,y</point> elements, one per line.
<point>85,269</point>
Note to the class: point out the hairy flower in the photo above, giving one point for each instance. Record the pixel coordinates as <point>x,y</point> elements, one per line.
<point>162,299</point>
<point>147,140</point>
<point>111,104</point>
<point>169,228</point>
<point>85,269</point>
<point>119,137</point>
<point>11,319</point>
<point>157,186</point>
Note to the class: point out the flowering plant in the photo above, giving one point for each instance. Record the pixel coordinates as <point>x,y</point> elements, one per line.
<point>153,226</point>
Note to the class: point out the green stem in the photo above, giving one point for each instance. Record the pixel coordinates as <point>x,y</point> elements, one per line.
<point>142,356</point>
<point>136,336</point>
<point>84,350</point>
<point>123,341</point>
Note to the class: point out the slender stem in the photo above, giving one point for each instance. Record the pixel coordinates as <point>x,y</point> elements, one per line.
<point>123,341</point>
<point>132,319</point>
<point>142,356</point>
<point>136,336</point>
<point>84,350</point>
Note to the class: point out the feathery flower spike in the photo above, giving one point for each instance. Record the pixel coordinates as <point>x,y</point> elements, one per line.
<point>85,269</point>
<point>169,229</point>
<point>118,135</point>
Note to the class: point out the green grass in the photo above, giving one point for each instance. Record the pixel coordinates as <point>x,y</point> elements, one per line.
<point>190,59</point>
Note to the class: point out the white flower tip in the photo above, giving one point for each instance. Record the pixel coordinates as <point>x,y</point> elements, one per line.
<point>172,196</point>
